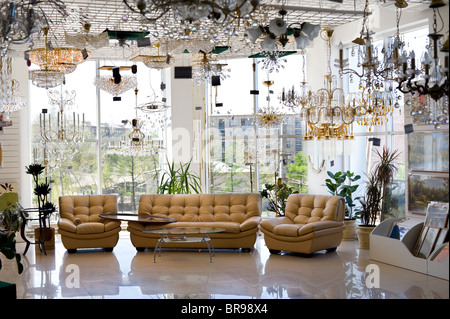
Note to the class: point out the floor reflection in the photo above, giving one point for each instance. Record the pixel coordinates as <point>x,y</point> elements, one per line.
<point>188,274</point>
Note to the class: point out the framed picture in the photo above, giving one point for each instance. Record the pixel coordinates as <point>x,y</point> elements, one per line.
<point>427,245</point>
<point>437,215</point>
<point>428,151</point>
<point>425,188</point>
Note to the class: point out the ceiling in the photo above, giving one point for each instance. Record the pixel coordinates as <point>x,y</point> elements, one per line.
<point>114,15</point>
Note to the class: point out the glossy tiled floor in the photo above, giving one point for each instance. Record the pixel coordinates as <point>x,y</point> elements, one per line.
<point>126,273</point>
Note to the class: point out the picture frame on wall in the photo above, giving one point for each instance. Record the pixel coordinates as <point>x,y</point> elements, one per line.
<point>428,152</point>
<point>424,188</point>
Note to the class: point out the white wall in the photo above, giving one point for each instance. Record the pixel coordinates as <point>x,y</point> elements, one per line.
<point>15,140</point>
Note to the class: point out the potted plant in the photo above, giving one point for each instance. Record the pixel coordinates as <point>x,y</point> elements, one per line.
<point>340,184</point>
<point>179,180</point>
<point>42,191</point>
<point>277,194</point>
<point>374,199</point>
<point>9,225</point>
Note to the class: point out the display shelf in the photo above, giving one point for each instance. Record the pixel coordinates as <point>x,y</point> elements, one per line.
<point>398,252</point>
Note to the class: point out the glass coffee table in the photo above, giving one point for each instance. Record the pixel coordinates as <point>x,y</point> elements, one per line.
<point>140,218</point>
<point>179,235</point>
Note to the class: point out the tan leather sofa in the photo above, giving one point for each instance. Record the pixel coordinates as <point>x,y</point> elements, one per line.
<point>81,226</point>
<point>238,214</point>
<point>311,223</point>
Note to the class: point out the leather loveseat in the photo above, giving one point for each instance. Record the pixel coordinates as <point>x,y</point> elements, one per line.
<point>238,214</point>
<point>81,226</point>
<point>311,223</point>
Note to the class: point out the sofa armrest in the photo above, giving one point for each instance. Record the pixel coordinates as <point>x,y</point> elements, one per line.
<point>316,226</point>
<point>271,223</point>
<point>67,225</point>
<point>250,223</point>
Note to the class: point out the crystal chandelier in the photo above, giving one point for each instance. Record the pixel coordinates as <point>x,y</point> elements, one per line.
<point>269,116</point>
<point>273,61</point>
<point>64,132</point>
<point>432,79</point>
<point>84,38</point>
<point>376,98</point>
<point>157,61</point>
<point>137,143</point>
<point>297,100</point>
<point>64,60</point>
<point>23,18</point>
<point>205,66</point>
<point>108,84</point>
<point>220,11</point>
<point>325,112</point>
<point>9,101</point>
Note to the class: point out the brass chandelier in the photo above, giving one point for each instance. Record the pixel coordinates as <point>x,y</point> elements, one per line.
<point>53,63</point>
<point>325,112</point>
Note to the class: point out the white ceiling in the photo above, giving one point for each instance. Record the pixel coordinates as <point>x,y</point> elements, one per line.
<point>114,15</point>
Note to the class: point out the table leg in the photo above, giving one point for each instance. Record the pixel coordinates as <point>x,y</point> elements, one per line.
<point>22,233</point>
<point>206,239</point>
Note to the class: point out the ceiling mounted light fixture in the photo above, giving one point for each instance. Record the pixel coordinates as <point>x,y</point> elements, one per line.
<point>277,31</point>
<point>219,11</point>
<point>22,19</point>
<point>84,38</point>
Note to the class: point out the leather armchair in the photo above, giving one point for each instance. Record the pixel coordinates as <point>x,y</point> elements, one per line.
<point>81,226</point>
<point>311,223</point>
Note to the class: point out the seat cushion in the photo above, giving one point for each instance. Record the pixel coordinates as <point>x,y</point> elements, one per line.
<point>90,228</point>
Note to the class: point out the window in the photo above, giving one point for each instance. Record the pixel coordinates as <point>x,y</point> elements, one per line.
<point>94,168</point>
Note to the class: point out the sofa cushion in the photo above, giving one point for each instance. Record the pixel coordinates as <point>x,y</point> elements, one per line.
<point>90,228</point>
<point>234,208</point>
<point>305,209</point>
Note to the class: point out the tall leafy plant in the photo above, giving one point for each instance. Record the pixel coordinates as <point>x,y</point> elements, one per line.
<point>374,201</point>
<point>179,180</point>
<point>340,184</point>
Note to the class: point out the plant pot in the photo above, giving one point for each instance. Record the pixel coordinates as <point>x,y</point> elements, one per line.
<point>350,229</point>
<point>49,242</point>
<point>363,233</point>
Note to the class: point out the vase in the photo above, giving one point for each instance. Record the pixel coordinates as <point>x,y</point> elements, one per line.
<point>350,229</point>
<point>363,233</point>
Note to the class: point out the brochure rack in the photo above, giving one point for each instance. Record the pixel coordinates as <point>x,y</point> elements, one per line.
<point>399,252</point>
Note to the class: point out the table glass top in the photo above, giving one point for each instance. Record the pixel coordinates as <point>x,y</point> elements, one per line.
<point>142,218</point>
<point>184,230</point>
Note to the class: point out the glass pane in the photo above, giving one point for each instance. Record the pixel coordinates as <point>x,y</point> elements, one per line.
<point>124,172</point>
<point>71,164</point>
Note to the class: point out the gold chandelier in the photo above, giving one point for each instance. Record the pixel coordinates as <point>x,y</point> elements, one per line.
<point>53,63</point>
<point>269,116</point>
<point>325,112</point>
